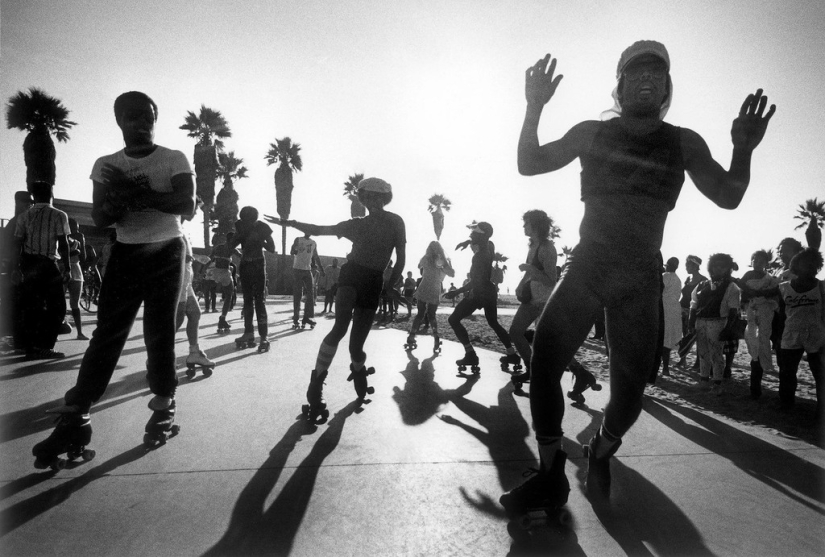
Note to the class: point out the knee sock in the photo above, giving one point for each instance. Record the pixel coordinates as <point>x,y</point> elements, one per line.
<point>325,355</point>
<point>606,442</point>
<point>358,364</point>
<point>547,450</point>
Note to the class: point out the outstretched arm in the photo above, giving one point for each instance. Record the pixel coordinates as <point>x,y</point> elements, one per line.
<point>727,188</point>
<point>533,158</point>
<point>306,228</point>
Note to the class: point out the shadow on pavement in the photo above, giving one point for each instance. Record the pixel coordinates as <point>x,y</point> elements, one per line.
<point>254,530</point>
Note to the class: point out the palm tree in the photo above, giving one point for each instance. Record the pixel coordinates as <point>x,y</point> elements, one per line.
<point>208,127</point>
<point>226,206</point>
<point>565,252</point>
<point>438,204</point>
<point>812,215</point>
<point>284,153</point>
<point>356,208</point>
<point>41,115</point>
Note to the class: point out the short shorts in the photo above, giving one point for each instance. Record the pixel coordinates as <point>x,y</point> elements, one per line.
<point>367,283</point>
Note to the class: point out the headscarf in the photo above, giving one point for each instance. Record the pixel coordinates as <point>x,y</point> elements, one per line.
<point>634,51</point>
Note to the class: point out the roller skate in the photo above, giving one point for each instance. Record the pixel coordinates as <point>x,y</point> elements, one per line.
<point>359,380</point>
<point>598,469</point>
<point>296,325</point>
<point>436,345</point>
<point>411,343</point>
<point>71,435</point>
<point>583,380</point>
<point>197,360</point>
<point>161,425</point>
<point>247,340</point>
<point>308,321</point>
<point>756,379</point>
<point>509,359</point>
<point>223,326</point>
<point>519,379</point>
<point>264,345</point>
<point>539,500</point>
<point>469,359</point>
<point>316,411</point>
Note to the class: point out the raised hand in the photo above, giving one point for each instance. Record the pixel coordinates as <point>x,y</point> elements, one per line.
<point>274,220</point>
<point>749,127</point>
<point>539,83</point>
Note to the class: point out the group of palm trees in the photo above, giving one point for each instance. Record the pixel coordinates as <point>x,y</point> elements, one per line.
<point>44,116</point>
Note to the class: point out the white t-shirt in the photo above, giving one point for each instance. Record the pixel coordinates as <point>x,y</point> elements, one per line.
<point>304,248</point>
<point>155,172</point>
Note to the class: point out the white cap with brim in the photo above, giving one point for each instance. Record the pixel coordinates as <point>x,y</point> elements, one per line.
<point>374,184</point>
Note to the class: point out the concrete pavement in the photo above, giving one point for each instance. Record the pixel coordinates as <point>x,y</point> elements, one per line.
<point>416,471</point>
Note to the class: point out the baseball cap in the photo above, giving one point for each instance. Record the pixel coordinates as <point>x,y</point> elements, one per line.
<point>482,227</point>
<point>694,259</point>
<point>640,48</point>
<point>375,184</point>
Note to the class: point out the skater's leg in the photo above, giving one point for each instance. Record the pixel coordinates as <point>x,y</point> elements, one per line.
<point>248,310</point>
<point>361,326</point>
<point>431,317</point>
<point>464,309</point>
<point>309,304</point>
<point>193,320</point>
<point>525,315</point>
<point>419,317</point>
<point>764,320</point>
<point>788,367</point>
<point>491,314</point>
<point>297,293</point>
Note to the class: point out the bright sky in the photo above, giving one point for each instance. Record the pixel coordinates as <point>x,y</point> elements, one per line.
<point>428,95</point>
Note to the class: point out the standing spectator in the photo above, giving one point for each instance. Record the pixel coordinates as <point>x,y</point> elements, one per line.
<point>760,312</point>
<point>42,234</point>
<point>77,259</point>
<point>210,287</point>
<point>330,285</point>
<point>692,267</point>
<point>409,289</point>
<point>254,237</point>
<point>305,252</point>
<point>435,265</point>
<point>714,307</point>
<point>672,310</point>
<point>143,190</point>
<point>452,297</point>
<point>12,294</point>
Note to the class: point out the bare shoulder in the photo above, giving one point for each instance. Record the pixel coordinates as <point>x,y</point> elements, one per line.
<point>582,134</point>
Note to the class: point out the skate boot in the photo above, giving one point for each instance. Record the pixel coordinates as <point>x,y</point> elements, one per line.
<point>308,321</point>
<point>583,380</point>
<point>756,379</point>
<point>598,469</point>
<point>161,425</point>
<point>540,498</point>
<point>316,411</point>
<point>436,345</point>
<point>411,344</point>
<point>469,359</point>
<point>71,435</point>
<point>509,359</point>
<point>197,360</point>
<point>520,379</point>
<point>223,326</point>
<point>295,325</point>
<point>264,345</point>
<point>247,340</point>
<point>359,380</point>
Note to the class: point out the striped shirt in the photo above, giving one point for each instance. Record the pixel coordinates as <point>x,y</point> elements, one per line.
<point>39,228</point>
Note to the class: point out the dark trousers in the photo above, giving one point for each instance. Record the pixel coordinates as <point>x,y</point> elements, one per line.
<point>302,282</point>
<point>44,304</point>
<point>253,285</point>
<point>148,274</point>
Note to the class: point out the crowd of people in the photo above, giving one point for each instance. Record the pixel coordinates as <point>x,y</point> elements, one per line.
<point>633,168</point>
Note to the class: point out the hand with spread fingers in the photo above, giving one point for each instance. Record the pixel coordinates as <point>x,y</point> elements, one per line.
<point>539,83</point>
<point>749,127</point>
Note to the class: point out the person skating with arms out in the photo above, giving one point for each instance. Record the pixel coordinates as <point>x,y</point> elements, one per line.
<point>360,283</point>
<point>633,168</point>
<point>143,190</point>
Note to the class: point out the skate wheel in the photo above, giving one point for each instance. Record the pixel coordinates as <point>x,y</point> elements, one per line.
<point>58,464</point>
<point>462,368</point>
<point>596,387</point>
<point>305,411</point>
<point>88,455</point>
<point>370,390</point>
<point>476,369</point>
<point>564,518</point>
<point>207,371</point>
<point>190,373</point>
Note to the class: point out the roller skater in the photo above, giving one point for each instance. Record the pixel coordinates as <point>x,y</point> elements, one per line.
<point>359,380</point>
<point>71,435</point>
<point>199,360</point>
<point>306,321</point>
<point>633,169</point>
<point>361,280</point>
<point>479,293</point>
<point>247,340</point>
<point>411,343</point>
<point>582,380</point>
<point>263,346</point>
<point>510,359</point>
<point>470,360</point>
<point>161,425</point>
<point>305,260</point>
<point>223,326</point>
<point>316,411</point>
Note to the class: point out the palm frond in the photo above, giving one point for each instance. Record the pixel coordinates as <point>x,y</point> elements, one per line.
<point>205,125</point>
<point>438,200</point>
<point>351,185</point>
<point>285,153</point>
<point>35,110</point>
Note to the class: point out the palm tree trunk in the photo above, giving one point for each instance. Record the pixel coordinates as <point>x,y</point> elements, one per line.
<point>813,235</point>
<point>207,210</point>
<point>283,239</point>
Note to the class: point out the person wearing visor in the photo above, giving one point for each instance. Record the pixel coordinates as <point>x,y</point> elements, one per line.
<point>633,168</point>
<point>360,283</point>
